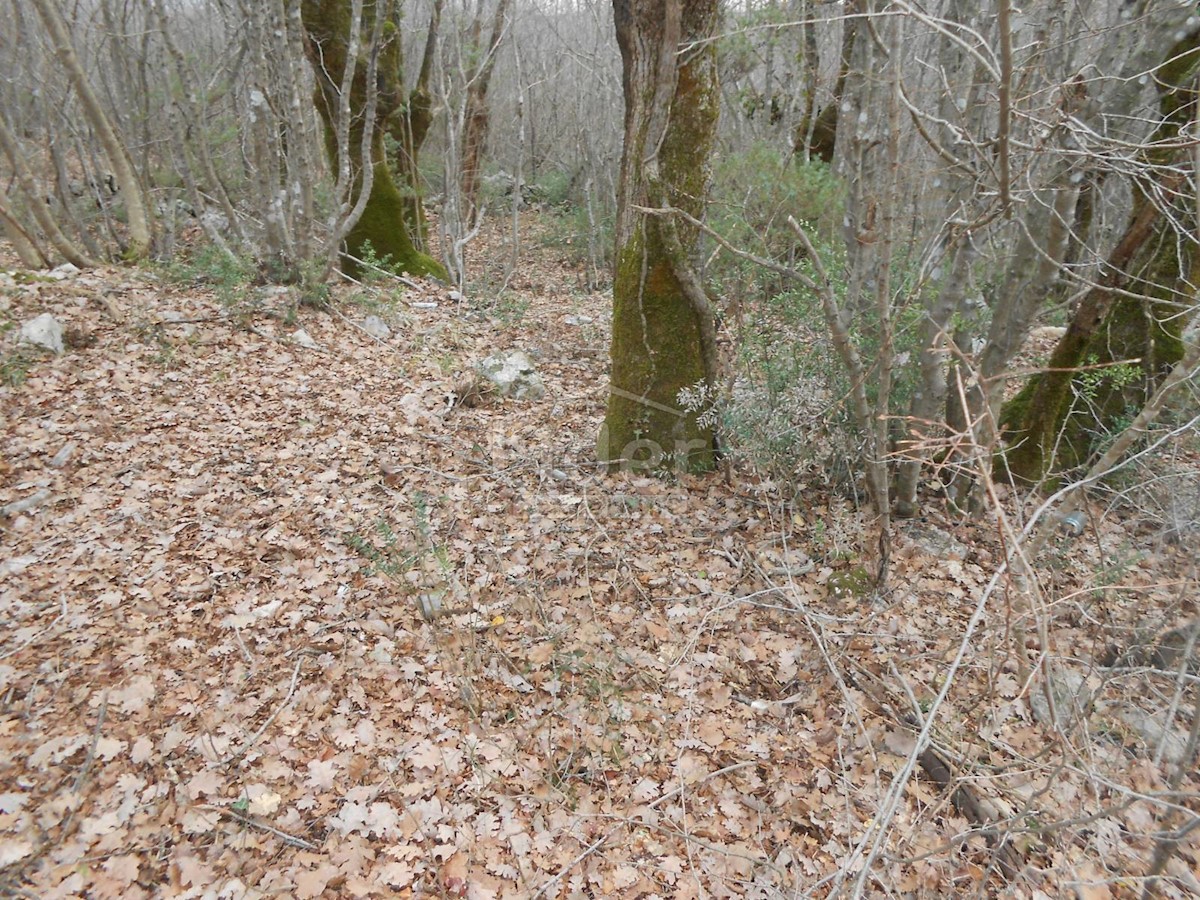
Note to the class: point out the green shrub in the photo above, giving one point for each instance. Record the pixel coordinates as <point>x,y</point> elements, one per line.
<point>583,240</point>
<point>553,188</point>
<point>753,194</point>
<point>784,412</point>
<point>15,359</point>
<point>229,276</point>
<point>788,409</point>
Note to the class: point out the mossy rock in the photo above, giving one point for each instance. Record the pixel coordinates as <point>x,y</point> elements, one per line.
<point>853,582</point>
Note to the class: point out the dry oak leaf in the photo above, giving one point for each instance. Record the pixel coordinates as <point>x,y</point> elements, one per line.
<point>312,884</point>
<point>134,696</point>
<point>13,851</point>
<point>265,804</point>
<point>123,869</point>
<point>208,782</point>
<point>57,750</point>
<point>193,871</point>
<point>143,749</point>
<point>396,874</point>
<point>321,774</point>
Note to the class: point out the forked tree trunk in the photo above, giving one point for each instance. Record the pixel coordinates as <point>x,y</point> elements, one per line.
<point>34,203</point>
<point>816,138</point>
<point>383,225</point>
<point>662,338</point>
<point>26,248</point>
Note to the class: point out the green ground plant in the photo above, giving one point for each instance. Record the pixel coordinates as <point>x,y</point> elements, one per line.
<point>384,551</point>
<point>15,359</point>
<point>15,365</point>
<point>230,277</point>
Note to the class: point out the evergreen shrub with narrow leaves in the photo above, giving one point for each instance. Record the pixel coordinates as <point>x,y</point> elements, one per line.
<point>782,411</point>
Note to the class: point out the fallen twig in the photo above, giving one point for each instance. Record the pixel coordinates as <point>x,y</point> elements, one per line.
<point>290,839</point>
<point>267,724</point>
<point>600,841</point>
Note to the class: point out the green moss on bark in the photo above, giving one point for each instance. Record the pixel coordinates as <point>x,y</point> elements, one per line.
<point>654,356</point>
<point>1060,417</point>
<point>389,219</point>
<point>656,342</point>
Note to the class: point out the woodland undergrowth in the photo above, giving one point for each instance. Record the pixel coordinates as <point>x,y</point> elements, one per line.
<point>292,621</point>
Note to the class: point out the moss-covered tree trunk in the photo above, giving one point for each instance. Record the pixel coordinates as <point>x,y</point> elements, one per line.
<point>1125,335</point>
<point>386,226</point>
<point>662,339</point>
<point>410,126</point>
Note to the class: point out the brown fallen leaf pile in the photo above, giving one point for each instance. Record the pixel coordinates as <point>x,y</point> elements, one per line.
<point>292,622</point>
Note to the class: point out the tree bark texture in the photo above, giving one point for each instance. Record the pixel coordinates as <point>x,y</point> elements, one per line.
<point>662,325</point>
<point>478,120</point>
<point>1132,314</point>
<point>385,224</point>
<point>410,126</point>
<point>140,235</point>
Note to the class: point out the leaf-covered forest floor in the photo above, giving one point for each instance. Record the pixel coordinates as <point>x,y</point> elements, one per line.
<point>286,622</point>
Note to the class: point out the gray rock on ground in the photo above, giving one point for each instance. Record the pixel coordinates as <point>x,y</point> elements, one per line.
<point>513,374</point>
<point>44,331</point>
<point>376,328</point>
<point>304,339</point>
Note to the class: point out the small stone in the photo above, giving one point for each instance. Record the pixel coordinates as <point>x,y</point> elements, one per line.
<point>44,331</point>
<point>455,296</point>
<point>24,505</point>
<point>578,320</point>
<point>376,328</point>
<point>304,339</point>
<point>935,542</point>
<point>1159,736</point>
<point>430,604</point>
<point>1073,699</point>
<point>63,272</point>
<point>63,456</point>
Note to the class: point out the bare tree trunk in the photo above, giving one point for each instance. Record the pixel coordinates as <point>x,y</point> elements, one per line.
<point>943,298</point>
<point>410,127</point>
<point>300,162</point>
<point>189,108</point>
<point>140,234</point>
<point>61,243</point>
<point>476,119</point>
<point>869,159</point>
<point>269,156</point>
